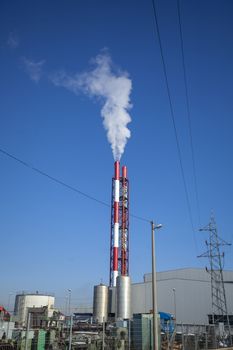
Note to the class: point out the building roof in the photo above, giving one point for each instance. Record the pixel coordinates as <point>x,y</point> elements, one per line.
<point>192,274</point>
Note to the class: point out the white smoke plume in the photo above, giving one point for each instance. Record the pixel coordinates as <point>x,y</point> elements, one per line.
<point>33,69</point>
<point>114,88</point>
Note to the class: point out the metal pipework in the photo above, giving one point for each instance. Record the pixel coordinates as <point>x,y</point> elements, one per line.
<point>124,223</point>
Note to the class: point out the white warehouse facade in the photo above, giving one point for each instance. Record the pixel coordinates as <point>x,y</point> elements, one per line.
<point>183,292</point>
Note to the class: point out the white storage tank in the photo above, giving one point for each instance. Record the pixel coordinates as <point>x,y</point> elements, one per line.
<point>25,300</point>
<point>100,303</point>
<point>123,298</point>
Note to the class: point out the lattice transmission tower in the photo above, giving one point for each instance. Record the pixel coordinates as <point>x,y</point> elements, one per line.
<point>215,256</point>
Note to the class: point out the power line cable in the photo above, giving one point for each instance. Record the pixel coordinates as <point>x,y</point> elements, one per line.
<point>173,119</point>
<point>188,112</point>
<point>62,183</point>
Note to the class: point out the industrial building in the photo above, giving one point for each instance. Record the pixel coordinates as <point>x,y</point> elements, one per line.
<point>23,301</point>
<point>185,293</point>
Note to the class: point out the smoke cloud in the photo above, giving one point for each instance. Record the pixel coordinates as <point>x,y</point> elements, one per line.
<point>113,88</point>
<point>33,69</point>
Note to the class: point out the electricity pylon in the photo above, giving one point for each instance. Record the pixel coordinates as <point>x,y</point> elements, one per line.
<point>215,256</point>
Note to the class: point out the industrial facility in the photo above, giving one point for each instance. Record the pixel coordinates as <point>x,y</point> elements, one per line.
<point>184,296</point>
<point>191,303</point>
<point>185,293</point>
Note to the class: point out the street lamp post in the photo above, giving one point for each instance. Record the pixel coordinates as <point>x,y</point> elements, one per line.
<point>154,288</point>
<point>174,296</point>
<point>69,298</point>
<point>27,331</point>
<point>71,321</point>
<point>8,309</point>
<point>9,301</point>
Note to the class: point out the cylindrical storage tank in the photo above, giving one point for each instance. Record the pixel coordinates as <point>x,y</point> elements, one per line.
<point>100,303</point>
<point>123,298</point>
<point>24,301</point>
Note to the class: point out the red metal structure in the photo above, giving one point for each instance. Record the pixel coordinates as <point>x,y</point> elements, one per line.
<point>116,225</point>
<point>4,314</point>
<point>119,240</point>
<point>124,223</point>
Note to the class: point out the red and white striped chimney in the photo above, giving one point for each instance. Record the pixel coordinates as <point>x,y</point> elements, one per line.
<point>116,221</point>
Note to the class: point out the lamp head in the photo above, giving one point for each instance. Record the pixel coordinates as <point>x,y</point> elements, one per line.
<point>158,226</point>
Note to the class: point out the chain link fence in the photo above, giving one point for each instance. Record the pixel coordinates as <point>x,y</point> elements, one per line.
<point>182,337</point>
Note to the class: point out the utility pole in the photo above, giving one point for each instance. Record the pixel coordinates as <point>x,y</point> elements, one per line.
<point>218,294</point>
<point>129,335</point>
<point>154,288</point>
<point>103,335</point>
<point>71,321</point>
<point>27,331</point>
<point>70,335</point>
<point>8,304</point>
<point>174,296</point>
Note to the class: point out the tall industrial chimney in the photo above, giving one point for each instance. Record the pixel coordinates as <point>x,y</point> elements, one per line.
<point>116,221</point>
<point>119,241</point>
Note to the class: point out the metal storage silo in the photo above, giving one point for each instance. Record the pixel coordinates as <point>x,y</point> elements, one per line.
<point>100,303</point>
<point>123,297</point>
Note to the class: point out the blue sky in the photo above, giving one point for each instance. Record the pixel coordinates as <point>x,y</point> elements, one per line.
<point>53,239</point>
